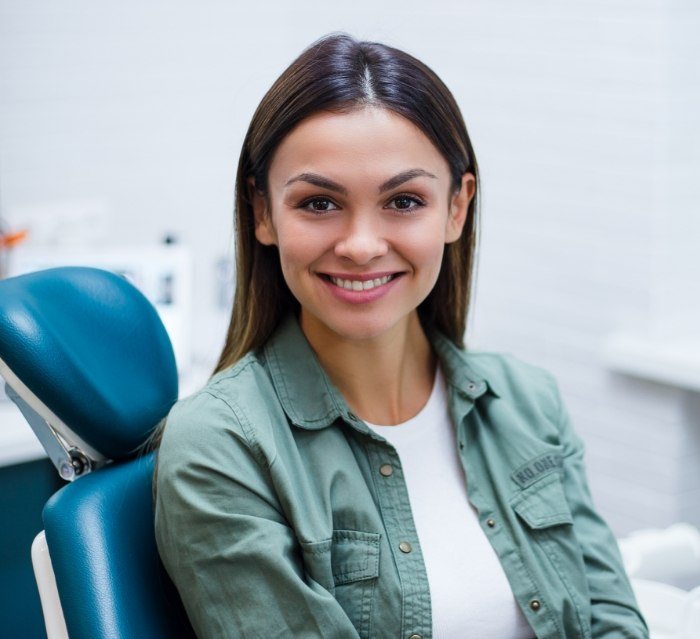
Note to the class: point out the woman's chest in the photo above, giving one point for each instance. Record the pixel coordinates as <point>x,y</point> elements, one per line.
<point>363,517</point>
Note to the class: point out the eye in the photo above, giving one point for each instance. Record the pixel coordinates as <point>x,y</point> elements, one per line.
<point>404,200</point>
<point>322,202</point>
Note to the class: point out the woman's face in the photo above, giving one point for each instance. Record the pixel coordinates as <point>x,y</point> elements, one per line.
<point>359,209</point>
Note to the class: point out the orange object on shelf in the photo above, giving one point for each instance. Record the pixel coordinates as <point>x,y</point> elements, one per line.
<point>13,239</point>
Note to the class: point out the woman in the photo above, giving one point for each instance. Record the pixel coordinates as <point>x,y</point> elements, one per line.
<point>351,470</point>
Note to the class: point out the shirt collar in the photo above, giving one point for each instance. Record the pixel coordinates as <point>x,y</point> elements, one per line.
<point>311,400</point>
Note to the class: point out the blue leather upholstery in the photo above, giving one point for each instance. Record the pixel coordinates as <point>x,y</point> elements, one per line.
<point>99,530</point>
<point>92,348</point>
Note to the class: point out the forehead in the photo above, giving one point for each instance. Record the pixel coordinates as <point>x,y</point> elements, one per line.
<point>369,143</point>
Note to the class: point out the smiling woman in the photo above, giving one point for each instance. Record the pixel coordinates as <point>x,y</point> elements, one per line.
<point>351,469</point>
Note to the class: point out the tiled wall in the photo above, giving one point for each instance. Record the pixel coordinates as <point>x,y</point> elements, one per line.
<point>122,121</point>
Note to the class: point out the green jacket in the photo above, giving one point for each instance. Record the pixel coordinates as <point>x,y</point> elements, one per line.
<point>273,519</point>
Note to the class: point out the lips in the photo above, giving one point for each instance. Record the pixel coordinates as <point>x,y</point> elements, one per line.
<point>358,285</point>
<point>360,288</point>
<point>361,277</point>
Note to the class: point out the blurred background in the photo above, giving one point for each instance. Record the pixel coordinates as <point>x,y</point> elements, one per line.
<point>120,128</point>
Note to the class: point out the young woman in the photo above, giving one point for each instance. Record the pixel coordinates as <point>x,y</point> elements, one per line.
<point>351,469</point>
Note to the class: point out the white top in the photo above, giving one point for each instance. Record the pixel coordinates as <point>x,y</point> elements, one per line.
<point>469,591</point>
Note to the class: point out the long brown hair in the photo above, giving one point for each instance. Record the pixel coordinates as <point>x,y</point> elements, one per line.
<point>338,73</point>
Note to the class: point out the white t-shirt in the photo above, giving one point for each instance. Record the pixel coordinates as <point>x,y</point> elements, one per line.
<point>469,592</point>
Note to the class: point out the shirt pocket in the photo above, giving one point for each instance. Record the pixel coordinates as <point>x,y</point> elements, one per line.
<point>347,565</point>
<point>545,511</point>
<point>543,504</point>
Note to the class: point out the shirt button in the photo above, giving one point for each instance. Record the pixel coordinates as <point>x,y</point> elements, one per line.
<point>415,637</point>
<point>404,546</point>
<point>535,605</point>
<point>490,523</point>
<point>386,469</point>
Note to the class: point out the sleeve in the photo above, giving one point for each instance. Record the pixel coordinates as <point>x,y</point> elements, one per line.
<point>223,538</point>
<point>614,610</point>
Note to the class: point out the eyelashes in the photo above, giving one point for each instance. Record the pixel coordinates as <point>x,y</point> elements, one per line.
<point>405,196</point>
<point>306,204</point>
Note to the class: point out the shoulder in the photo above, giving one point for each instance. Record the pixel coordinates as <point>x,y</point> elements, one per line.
<point>508,370</point>
<point>225,414</point>
<point>531,392</point>
<point>515,379</point>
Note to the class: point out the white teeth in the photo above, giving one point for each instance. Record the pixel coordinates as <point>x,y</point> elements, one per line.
<point>358,285</point>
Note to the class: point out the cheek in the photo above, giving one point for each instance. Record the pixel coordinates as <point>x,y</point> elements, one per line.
<point>291,257</point>
<point>425,248</point>
<point>298,246</point>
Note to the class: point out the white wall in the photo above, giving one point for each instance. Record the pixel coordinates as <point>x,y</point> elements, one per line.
<point>582,115</point>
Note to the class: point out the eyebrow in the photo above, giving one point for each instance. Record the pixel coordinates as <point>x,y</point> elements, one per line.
<point>326,183</point>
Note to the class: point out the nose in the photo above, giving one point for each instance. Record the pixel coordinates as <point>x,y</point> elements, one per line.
<point>362,240</point>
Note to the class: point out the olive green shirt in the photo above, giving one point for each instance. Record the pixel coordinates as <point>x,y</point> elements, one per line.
<point>279,513</point>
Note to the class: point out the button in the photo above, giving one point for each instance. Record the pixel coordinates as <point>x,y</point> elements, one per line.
<point>415,637</point>
<point>386,469</point>
<point>404,546</point>
<point>535,605</point>
<point>490,523</point>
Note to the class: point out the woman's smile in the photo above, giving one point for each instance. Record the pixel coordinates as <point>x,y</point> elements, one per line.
<point>359,289</point>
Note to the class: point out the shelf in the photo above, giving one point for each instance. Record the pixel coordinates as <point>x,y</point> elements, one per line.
<point>667,360</point>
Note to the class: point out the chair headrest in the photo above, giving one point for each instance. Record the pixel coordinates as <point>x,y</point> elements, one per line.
<point>92,349</point>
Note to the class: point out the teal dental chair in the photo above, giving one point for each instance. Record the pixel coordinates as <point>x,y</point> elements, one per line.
<point>88,362</point>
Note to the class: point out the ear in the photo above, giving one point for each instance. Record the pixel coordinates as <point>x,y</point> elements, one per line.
<point>264,231</point>
<point>459,205</point>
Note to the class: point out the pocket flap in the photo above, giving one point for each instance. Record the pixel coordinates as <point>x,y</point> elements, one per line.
<point>543,503</point>
<point>354,555</point>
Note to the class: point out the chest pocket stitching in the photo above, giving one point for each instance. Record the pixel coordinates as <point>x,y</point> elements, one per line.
<point>354,555</point>
<point>543,503</point>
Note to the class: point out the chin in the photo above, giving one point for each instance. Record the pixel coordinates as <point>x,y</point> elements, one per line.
<point>362,328</point>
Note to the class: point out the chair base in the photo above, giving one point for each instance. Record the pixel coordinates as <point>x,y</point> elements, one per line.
<point>48,593</point>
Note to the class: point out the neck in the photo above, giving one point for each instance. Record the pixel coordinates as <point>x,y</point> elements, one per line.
<point>385,379</point>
